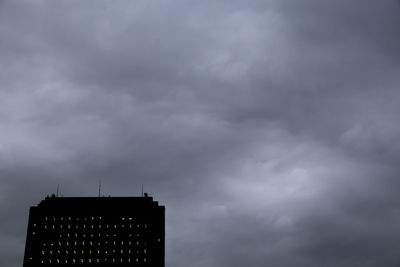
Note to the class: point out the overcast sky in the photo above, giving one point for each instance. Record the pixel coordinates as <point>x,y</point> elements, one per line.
<point>269,129</point>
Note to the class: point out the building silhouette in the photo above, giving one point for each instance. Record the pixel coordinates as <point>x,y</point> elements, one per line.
<point>96,231</point>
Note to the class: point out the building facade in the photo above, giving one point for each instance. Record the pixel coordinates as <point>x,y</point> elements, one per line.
<point>96,231</point>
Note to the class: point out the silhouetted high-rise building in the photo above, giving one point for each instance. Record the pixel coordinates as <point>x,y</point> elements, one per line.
<point>96,231</point>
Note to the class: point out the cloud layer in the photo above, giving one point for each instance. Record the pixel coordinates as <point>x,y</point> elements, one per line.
<point>267,128</point>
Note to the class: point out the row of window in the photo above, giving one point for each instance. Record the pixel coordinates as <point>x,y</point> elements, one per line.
<point>93,243</point>
<point>85,236</point>
<point>73,218</point>
<point>89,226</point>
<point>94,260</point>
<point>93,236</point>
<point>90,252</point>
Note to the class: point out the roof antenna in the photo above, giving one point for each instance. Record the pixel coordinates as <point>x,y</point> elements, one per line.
<point>99,187</point>
<point>142,190</point>
<point>58,188</point>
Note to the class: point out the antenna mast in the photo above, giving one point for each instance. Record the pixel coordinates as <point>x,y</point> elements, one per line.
<point>58,188</point>
<point>99,187</point>
<point>142,190</point>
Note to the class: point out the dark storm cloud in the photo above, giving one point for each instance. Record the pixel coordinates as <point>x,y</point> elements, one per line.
<point>268,129</point>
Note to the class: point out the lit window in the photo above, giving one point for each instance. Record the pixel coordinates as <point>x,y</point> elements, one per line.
<point>59,252</point>
<point>144,260</point>
<point>67,243</point>
<point>97,260</point>
<point>34,225</point>
<point>145,251</point>
<point>137,259</point>
<point>54,218</point>
<point>123,218</point>
<point>130,219</point>
<point>73,260</point>
<point>42,252</point>
<point>69,218</point>
<point>62,218</point>
<point>51,252</point>
<point>69,226</point>
<point>74,251</point>
<point>91,243</point>
<point>122,251</point>
<point>33,233</point>
<point>98,251</point>
<point>90,260</point>
<point>46,218</point>
<point>45,227</point>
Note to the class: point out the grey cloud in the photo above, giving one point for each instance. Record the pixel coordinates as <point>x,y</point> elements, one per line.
<point>268,129</point>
